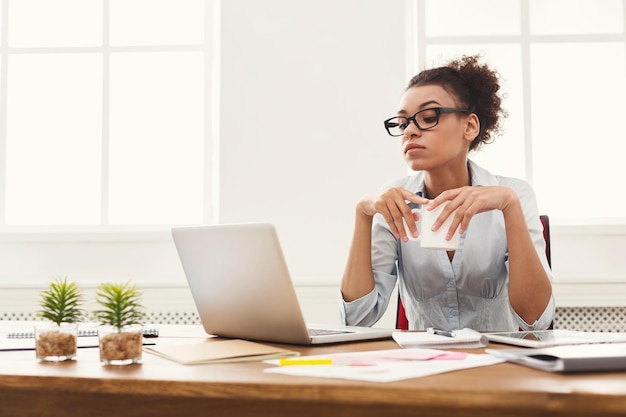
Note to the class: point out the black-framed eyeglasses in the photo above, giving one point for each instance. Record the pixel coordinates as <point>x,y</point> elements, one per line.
<point>423,119</point>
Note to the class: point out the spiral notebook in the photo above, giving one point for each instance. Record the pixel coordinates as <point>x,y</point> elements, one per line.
<point>148,332</point>
<point>87,338</point>
<point>461,339</point>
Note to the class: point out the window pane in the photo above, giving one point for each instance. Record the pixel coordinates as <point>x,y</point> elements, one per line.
<point>505,156</point>
<point>476,17</point>
<point>578,114</point>
<point>54,110</point>
<point>561,17</point>
<point>156,138</point>
<point>157,22</point>
<point>35,23</point>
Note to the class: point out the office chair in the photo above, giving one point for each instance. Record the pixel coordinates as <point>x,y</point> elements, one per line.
<point>402,323</point>
<point>545,222</point>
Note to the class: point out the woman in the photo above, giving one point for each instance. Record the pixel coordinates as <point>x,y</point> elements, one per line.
<point>498,278</point>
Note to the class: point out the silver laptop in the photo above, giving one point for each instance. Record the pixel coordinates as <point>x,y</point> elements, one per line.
<point>242,289</point>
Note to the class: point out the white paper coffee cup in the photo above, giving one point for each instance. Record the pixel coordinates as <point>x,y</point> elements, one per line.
<point>434,240</point>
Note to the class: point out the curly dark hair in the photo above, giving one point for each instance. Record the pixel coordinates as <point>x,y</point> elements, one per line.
<point>475,86</point>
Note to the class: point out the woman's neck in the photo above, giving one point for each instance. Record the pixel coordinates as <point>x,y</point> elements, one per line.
<point>438,181</point>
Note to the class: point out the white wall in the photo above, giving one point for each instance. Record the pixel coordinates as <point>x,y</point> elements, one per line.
<point>304,89</point>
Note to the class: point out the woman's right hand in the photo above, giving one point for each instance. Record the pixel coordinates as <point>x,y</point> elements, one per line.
<point>391,203</point>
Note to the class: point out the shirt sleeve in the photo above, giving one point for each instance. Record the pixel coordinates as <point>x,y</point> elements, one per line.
<point>367,310</point>
<point>543,322</point>
<point>360,311</point>
<point>535,228</point>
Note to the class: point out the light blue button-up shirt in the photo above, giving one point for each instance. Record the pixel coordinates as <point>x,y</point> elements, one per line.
<point>469,291</point>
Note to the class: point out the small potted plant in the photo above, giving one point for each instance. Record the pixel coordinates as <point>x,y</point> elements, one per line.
<point>121,330</point>
<point>60,305</point>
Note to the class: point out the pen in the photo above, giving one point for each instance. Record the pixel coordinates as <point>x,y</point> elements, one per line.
<point>440,332</point>
<point>312,361</point>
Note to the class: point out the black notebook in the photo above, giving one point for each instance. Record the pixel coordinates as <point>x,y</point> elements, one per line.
<point>569,359</point>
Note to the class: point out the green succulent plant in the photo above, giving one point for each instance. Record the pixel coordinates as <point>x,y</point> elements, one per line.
<point>61,302</point>
<point>120,305</point>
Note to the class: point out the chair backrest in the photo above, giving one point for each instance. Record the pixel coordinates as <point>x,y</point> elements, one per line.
<point>403,324</point>
<point>545,221</point>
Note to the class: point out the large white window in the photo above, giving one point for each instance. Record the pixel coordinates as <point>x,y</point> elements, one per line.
<point>563,69</point>
<point>105,113</point>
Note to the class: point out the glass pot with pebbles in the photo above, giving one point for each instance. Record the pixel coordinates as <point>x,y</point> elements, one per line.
<point>120,333</point>
<point>55,339</point>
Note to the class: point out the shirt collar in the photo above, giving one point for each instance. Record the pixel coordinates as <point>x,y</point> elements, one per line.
<point>479,177</point>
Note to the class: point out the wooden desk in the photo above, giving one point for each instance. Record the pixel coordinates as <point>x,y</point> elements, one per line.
<point>159,387</point>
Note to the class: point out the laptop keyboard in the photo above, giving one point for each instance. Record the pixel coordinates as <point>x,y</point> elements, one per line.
<point>323,332</point>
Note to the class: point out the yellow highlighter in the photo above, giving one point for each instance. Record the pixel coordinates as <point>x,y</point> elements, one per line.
<point>304,361</point>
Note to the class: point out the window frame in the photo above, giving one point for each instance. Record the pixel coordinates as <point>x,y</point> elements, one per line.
<point>105,231</point>
<point>418,41</point>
